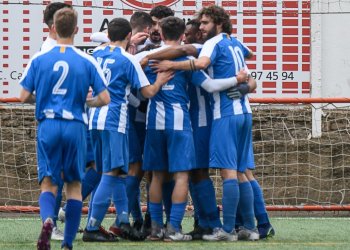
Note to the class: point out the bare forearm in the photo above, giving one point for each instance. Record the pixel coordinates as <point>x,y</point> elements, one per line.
<point>173,52</point>
<point>151,90</point>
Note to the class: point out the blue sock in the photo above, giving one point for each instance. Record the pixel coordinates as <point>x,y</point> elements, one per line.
<point>259,204</point>
<point>89,182</point>
<point>198,211</point>
<point>207,202</point>
<point>58,201</point>
<point>90,202</point>
<point>133,192</point>
<point>177,214</point>
<point>73,215</point>
<point>47,202</point>
<point>168,188</point>
<point>120,200</point>
<point>230,199</point>
<point>246,204</point>
<point>156,212</point>
<point>239,221</point>
<point>101,202</point>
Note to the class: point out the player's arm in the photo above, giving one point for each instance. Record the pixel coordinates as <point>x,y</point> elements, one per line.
<point>217,85</point>
<point>27,82</point>
<point>207,56</point>
<point>100,100</point>
<point>137,77</point>
<point>26,96</point>
<point>193,64</point>
<point>162,78</point>
<point>174,52</point>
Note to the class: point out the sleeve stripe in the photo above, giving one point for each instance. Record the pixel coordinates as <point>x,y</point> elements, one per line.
<point>142,77</point>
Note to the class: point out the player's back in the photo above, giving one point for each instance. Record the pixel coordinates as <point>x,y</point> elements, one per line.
<point>168,109</point>
<point>122,72</point>
<point>62,77</point>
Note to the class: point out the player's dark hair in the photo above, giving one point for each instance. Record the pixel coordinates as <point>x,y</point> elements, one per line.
<point>50,11</point>
<point>161,11</point>
<point>118,29</point>
<point>195,23</point>
<point>219,16</point>
<point>65,21</point>
<point>172,28</point>
<point>140,20</point>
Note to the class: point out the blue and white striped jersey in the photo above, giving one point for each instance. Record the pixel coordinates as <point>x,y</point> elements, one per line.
<point>122,72</point>
<point>169,108</point>
<point>61,78</point>
<point>200,110</point>
<point>227,59</point>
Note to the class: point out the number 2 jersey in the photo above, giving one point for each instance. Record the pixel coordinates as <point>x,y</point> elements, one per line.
<point>61,78</point>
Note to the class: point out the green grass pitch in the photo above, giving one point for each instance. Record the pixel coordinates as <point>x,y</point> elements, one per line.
<point>292,233</point>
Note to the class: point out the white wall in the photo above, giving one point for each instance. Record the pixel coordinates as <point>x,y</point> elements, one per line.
<point>330,65</point>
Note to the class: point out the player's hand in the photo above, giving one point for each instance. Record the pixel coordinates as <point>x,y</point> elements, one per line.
<point>159,66</point>
<point>242,76</point>
<point>138,38</point>
<point>165,76</point>
<point>144,62</point>
<point>237,92</point>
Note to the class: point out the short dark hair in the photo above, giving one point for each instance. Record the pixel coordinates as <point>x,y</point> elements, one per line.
<point>118,29</point>
<point>140,20</point>
<point>172,28</point>
<point>161,11</point>
<point>219,16</point>
<point>65,21</point>
<point>50,11</point>
<point>194,23</point>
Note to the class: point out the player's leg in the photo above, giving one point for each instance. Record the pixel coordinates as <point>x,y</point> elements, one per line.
<point>57,234</point>
<point>48,175</point>
<point>181,154</point>
<point>135,175</point>
<point>116,156</point>
<point>203,188</point>
<point>248,231</point>
<point>223,155</point>
<point>264,226</point>
<point>155,160</point>
<point>73,213</point>
<point>74,163</point>
<point>103,195</point>
<point>156,205</point>
<point>168,187</point>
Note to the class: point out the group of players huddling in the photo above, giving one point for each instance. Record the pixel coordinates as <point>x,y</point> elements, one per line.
<point>169,102</point>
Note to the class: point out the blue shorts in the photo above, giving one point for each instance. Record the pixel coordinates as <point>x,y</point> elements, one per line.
<point>61,148</point>
<point>245,149</point>
<point>111,150</point>
<point>137,132</point>
<point>224,142</point>
<point>168,150</point>
<point>201,138</point>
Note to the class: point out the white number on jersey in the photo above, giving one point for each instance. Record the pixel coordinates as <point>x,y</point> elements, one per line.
<point>105,68</point>
<point>237,58</point>
<point>65,67</point>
